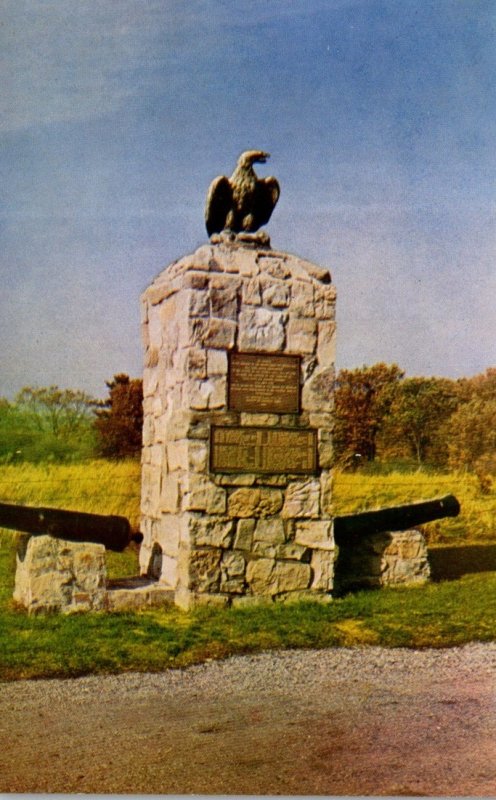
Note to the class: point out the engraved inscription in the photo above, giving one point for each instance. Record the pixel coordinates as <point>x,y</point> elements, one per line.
<point>247,449</point>
<point>264,382</point>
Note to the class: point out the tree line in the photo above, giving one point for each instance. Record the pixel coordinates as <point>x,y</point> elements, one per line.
<point>53,424</point>
<point>379,416</point>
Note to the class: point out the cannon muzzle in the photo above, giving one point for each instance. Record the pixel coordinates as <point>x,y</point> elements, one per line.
<point>112,531</point>
<point>396,518</point>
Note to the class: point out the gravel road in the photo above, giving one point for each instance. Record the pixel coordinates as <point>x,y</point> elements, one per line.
<point>365,721</point>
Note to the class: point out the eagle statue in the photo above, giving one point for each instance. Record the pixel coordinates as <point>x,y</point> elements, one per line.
<point>243,202</point>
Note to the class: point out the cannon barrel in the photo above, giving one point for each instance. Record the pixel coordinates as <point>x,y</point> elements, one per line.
<point>112,531</point>
<point>396,518</point>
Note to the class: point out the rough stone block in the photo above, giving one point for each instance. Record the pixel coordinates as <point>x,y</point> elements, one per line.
<point>276,267</point>
<point>251,294</point>
<point>150,488</point>
<point>317,393</point>
<point>250,418</point>
<point>211,531</point>
<point>220,333</point>
<point>196,302</point>
<point>261,329</point>
<point>201,494</point>
<point>248,502</point>
<point>315,533</point>
<point>169,534</point>
<point>326,343</point>
<point>207,394</point>
<point>155,329</point>
<point>302,335</point>
<point>302,499</point>
<point>150,381</point>
<point>57,575</point>
<point>269,577</point>
<point>196,363</point>
<point>293,552</point>
<point>234,564</point>
<point>325,449</point>
<point>326,487</point>
<point>168,573</point>
<point>204,570</point>
<point>170,496</point>
<point>270,531</point>
<point>302,299</point>
<point>244,534</point>
<point>216,362</point>
<point>224,299</point>
<point>325,302</point>
<point>177,455</point>
<point>197,455</point>
<point>322,564</point>
<point>277,295</point>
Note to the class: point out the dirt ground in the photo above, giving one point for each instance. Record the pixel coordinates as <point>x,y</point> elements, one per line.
<point>331,722</point>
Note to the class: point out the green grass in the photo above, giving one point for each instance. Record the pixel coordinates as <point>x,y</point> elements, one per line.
<point>436,615</point>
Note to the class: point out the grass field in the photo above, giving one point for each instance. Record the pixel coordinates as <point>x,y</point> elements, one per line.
<point>476,523</point>
<point>440,614</point>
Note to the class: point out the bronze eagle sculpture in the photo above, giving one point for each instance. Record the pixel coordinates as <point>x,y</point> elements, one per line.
<point>242,202</point>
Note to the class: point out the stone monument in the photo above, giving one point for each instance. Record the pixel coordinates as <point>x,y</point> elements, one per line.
<point>239,369</point>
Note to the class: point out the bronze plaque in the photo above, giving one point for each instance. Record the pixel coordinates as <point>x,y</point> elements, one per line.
<point>264,382</point>
<point>247,449</point>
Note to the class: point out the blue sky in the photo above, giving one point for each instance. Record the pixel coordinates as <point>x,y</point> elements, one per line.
<point>116,114</point>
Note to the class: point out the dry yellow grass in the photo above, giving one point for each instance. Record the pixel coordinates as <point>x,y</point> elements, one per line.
<point>354,492</point>
<point>113,487</point>
<point>100,486</point>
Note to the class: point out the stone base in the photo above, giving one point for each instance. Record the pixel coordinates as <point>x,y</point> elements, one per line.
<point>132,594</point>
<point>56,575</point>
<point>390,558</point>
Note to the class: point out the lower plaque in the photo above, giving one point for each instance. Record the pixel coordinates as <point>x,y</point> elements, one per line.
<point>247,449</point>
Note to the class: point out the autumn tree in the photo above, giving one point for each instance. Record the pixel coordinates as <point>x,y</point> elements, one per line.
<point>362,400</point>
<point>418,415</point>
<point>472,441</point>
<point>479,386</point>
<point>119,419</point>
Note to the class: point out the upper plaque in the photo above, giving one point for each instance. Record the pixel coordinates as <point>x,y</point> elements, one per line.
<point>264,382</point>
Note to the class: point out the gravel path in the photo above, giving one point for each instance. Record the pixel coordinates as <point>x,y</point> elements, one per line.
<point>340,721</point>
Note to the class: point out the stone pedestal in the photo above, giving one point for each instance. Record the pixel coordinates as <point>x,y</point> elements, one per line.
<point>56,575</point>
<point>390,558</point>
<point>223,536</point>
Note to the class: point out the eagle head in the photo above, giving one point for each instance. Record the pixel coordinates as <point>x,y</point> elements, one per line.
<point>250,157</point>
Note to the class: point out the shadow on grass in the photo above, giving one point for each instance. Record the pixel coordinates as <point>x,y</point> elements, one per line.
<point>451,563</point>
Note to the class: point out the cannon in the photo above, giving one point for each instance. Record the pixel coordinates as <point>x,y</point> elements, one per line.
<point>114,532</point>
<point>395,518</point>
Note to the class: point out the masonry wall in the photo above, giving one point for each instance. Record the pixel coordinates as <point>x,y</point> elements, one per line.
<point>228,538</point>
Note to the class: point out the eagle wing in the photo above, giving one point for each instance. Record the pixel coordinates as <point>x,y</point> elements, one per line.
<point>267,194</point>
<point>219,203</point>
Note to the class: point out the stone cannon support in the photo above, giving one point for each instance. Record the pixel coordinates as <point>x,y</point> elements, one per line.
<point>384,558</point>
<point>57,575</point>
